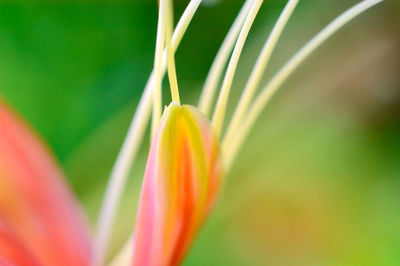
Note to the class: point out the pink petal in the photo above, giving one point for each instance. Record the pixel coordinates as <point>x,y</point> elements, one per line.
<point>34,199</point>
<point>13,251</point>
<point>180,185</point>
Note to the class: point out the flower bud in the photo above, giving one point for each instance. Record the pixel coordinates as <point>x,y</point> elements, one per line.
<point>180,185</point>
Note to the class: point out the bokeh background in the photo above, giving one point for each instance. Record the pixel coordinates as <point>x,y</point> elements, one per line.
<point>317,181</point>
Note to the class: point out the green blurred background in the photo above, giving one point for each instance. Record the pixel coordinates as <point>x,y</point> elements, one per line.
<point>318,180</point>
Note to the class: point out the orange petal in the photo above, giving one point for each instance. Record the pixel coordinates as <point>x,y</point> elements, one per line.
<point>182,177</point>
<point>35,201</point>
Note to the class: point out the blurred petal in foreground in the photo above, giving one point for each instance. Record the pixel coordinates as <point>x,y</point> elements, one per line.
<point>35,202</point>
<point>13,251</point>
<point>182,176</point>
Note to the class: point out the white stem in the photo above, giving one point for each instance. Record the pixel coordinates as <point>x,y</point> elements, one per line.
<point>219,62</point>
<point>256,74</point>
<point>130,147</point>
<point>219,113</point>
<point>124,257</point>
<point>173,81</point>
<point>119,174</point>
<point>279,78</point>
<point>160,43</point>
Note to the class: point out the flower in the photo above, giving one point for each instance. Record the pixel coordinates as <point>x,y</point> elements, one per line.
<point>40,220</point>
<point>150,245</point>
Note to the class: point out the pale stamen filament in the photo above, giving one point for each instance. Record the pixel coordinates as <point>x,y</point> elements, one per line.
<point>129,149</point>
<point>214,75</point>
<point>173,82</point>
<point>285,72</point>
<point>219,113</point>
<point>160,43</point>
<point>124,257</point>
<point>256,74</point>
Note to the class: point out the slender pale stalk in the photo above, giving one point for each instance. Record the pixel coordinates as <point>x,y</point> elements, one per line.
<point>124,257</point>
<point>210,85</point>
<point>119,174</point>
<point>160,43</point>
<point>285,72</point>
<point>173,82</point>
<point>219,113</point>
<point>256,74</point>
<point>130,147</point>
<point>182,25</point>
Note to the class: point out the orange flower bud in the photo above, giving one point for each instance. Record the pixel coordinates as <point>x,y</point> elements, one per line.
<point>180,185</point>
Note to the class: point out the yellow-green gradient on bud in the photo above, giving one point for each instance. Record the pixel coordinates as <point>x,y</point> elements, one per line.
<point>180,185</point>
